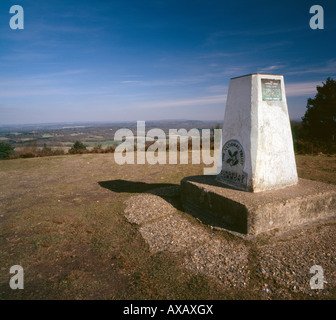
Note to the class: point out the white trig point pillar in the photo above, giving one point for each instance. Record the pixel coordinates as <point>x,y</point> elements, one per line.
<point>257,145</point>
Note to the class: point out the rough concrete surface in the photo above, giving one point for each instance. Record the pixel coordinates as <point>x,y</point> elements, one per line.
<point>275,264</point>
<point>253,213</point>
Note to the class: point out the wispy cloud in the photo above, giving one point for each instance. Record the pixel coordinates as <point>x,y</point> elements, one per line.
<point>41,84</point>
<point>61,73</point>
<point>329,68</point>
<point>167,82</point>
<point>272,68</point>
<point>131,82</point>
<point>217,89</point>
<point>26,56</point>
<point>301,88</point>
<point>204,101</point>
<point>38,78</point>
<point>214,55</point>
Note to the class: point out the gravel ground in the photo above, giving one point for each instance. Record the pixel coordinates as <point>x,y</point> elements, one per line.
<point>276,265</point>
<point>287,260</point>
<point>173,234</point>
<point>146,207</point>
<point>223,260</point>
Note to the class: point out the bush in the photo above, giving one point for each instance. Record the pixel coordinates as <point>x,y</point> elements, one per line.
<point>78,147</point>
<point>109,149</point>
<point>319,120</point>
<point>97,148</point>
<point>27,155</point>
<point>58,152</point>
<point>6,150</point>
<point>46,151</point>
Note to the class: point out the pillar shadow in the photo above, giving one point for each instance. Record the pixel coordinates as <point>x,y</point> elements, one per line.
<point>126,186</point>
<point>159,189</point>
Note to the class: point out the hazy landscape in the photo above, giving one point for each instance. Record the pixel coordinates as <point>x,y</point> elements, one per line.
<point>63,135</point>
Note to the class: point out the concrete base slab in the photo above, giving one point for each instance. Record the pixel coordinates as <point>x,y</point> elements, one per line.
<point>250,214</point>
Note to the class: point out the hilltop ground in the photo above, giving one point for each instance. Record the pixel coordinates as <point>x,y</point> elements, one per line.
<point>72,223</point>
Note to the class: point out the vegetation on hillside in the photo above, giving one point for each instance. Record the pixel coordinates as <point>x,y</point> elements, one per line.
<point>317,132</point>
<point>6,150</point>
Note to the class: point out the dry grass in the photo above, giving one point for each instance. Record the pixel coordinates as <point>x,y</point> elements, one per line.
<point>319,168</point>
<point>63,224</point>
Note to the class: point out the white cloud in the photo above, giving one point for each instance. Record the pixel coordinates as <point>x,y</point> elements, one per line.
<point>131,81</point>
<point>271,68</point>
<point>217,89</point>
<point>185,102</point>
<point>301,88</point>
<point>329,68</point>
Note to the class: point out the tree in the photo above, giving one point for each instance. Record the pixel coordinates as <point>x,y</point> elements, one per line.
<point>78,147</point>
<point>319,120</point>
<point>46,151</point>
<point>6,150</point>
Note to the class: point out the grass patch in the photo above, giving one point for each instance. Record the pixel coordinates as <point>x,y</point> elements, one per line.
<point>72,239</point>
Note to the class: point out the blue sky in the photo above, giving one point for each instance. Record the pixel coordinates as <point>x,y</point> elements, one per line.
<point>80,60</point>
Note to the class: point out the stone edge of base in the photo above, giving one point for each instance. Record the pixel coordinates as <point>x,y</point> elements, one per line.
<point>249,220</point>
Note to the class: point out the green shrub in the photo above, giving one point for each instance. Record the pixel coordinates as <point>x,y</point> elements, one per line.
<point>6,150</point>
<point>78,147</point>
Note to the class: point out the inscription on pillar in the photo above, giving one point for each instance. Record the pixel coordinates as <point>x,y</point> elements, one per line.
<point>271,90</point>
